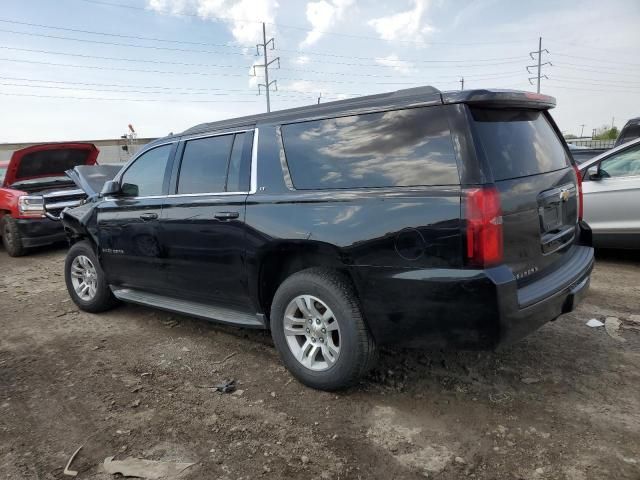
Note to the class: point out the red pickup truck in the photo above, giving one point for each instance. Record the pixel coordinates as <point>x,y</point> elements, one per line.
<point>34,190</point>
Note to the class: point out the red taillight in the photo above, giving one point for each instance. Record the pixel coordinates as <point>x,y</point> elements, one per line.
<point>484,226</point>
<point>579,185</point>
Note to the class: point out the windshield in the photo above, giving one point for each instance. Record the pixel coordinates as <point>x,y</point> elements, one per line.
<point>3,170</point>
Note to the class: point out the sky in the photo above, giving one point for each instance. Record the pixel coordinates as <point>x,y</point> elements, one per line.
<point>85,69</point>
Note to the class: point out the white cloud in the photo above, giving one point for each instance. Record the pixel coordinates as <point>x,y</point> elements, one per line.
<point>243,17</point>
<point>398,65</point>
<point>323,14</point>
<point>406,25</point>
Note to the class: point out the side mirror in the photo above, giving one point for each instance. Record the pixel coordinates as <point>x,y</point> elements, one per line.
<point>111,187</point>
<point>594,173</point>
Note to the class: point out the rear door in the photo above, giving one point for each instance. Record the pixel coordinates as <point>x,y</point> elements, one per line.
<point>203,222</point>
<point>611,201</point>
<point>537,184</point>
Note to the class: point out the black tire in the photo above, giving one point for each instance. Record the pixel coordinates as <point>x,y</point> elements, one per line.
<point>11,237</point>
<point>357,347</point>
<point>103,299</point>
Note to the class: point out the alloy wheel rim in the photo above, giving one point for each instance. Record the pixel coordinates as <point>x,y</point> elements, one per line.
<point>84,277</point>
<point>312,332</point>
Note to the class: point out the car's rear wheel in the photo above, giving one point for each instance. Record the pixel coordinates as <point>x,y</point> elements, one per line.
<point>11,237</point>
<point>319,331</point>
<point>86,282</point>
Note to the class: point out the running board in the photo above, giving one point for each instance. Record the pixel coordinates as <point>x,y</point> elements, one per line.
<point>195,309</point>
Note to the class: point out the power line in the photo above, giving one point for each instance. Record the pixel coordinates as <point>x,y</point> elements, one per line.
<point>507,60</point>
<point>187,64</point>
<point>157,87</point>
<point>117,35</point>
<point>184,42</point>
<point>117,44</point>
<point>598,60</point>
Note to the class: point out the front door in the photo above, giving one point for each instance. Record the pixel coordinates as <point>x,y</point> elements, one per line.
<point>611,200</point>
<point>203,221</point>
<point>128,224</point>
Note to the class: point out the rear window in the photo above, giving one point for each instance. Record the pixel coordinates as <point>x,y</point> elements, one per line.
<point>518,143</point>
<point>630,132</point>
<point>398,148</point>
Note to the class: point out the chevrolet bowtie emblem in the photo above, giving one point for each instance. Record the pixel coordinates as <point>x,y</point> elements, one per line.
<point>564,195</point>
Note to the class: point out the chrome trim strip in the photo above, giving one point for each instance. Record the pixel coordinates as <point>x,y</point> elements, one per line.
<point>63,193</point>
<point>254,162</point>
<point>207,135</point>
<point>57,205</point>
<point>174,195</point>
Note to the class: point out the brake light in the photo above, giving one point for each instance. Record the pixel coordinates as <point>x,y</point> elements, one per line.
<point>484,226</point>
<point>579,185</point>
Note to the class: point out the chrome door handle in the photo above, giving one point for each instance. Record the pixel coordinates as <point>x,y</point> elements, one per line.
<point>148,216</point>
<point>226,215</point>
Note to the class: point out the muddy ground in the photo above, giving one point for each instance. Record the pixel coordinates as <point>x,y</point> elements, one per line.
<point>562,404</point>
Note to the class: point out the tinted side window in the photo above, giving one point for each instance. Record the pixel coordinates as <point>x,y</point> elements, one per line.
<point>518,143</point>
<point>204,165</point>
<point>145,177</point>
<point>397,148</point>
<point>240,163</point>
<point>624,164</point>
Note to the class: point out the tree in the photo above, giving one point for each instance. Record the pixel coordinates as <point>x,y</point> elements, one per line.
<point>606,133</point>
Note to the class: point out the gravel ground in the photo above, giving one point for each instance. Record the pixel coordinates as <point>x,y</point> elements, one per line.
<point>562,404</point>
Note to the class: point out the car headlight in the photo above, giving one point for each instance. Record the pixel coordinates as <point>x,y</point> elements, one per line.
<point>31,205</point>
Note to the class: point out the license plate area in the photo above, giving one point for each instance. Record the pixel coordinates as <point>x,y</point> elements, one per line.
<point>557,215</point>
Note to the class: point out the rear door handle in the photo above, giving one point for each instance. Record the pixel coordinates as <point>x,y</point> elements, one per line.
<point>226,215</point>
<point>149,216</point>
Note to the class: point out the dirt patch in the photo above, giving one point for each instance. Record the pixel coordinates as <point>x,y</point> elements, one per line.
<point>562,404</point>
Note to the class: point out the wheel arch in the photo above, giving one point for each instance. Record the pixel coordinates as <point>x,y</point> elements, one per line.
<point>283,259</point>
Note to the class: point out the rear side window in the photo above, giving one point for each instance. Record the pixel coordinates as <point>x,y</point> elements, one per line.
<point>216,164</point>
<point>204,165</point>
<point>519,143</point>
<point>398,148</point>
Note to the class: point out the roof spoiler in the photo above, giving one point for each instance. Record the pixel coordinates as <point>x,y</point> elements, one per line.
<point>500,99</point>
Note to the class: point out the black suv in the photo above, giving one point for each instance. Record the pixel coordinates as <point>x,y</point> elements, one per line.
<point>409,216</point>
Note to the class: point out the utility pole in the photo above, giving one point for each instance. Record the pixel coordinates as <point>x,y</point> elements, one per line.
<point>319,98</point>
<point>540,64</point>
<point>581,129</point>
<point>461,83</point>
<point>267,84</point>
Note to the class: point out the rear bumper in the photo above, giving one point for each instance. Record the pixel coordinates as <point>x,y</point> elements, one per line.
<point>40,231</point>
<point>467,308</point>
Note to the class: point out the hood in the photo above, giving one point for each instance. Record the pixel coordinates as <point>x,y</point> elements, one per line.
<point>48,160</point>
<point>91,178</point>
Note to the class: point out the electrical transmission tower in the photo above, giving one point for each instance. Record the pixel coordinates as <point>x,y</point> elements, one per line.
<point>539,65</point>
<point>461,83</point>
<point>267,84</point>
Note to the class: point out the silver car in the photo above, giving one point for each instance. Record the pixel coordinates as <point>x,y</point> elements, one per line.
<point>611,189</point>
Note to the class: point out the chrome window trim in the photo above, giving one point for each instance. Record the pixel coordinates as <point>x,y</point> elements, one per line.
<point>254,168</point>
<point>218,194</point>
<point>217,134</point>
<point>254,162</point>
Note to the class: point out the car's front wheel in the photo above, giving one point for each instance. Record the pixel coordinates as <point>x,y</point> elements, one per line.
<point>11,237</point>
<point>319,331</point>
<point>86,282</point>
